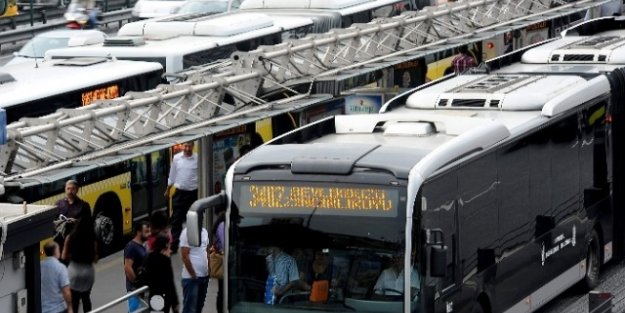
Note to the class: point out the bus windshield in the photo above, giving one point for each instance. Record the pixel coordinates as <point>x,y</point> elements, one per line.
<point>304,248</point>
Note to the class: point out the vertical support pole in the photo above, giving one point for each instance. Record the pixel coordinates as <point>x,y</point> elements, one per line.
<point>32,13</point>
<point>33,278</point>
<point>205,175</point>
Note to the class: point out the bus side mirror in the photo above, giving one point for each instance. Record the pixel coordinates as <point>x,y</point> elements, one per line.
<point>435,239</point>
<point>438,261</point>
<point>195,216</point>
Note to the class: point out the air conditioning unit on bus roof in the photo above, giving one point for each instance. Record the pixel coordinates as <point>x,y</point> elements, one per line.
<point>507,92</point>
<point>583,50</point>
<point>122,41</point>
<point>300,4</point>
<point>218,26</point>
<point>6,78</point>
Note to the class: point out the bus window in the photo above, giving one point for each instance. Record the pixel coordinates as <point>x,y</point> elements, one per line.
<point>139,186</point>
<point>271,39</point>
<point>564,172</point>
<point>359,17</point>
<point>359,255</point>
<point>159,171</point>
<point>391,9</point>
<point>235,4</point>
<point>296,33</point>
<point>364,274</point>
<point>204,57</point>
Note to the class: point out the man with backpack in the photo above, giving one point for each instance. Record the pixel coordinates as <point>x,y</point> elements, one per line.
<point>134,255</point>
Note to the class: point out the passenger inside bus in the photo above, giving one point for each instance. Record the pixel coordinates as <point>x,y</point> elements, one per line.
<point>332,269</point>
<point>390,283</point>
<point>283,275</point>
<point>319,276</point>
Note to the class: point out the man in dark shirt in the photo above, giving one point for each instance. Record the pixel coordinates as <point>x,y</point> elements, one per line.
<point>70,208</point>
<point>71,205</point>
<point>134,255</point>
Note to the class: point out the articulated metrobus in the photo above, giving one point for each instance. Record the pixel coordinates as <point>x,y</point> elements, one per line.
<point>422,66</point>
<point>329,14</point>
<point>494,190</point>
<point>128,185</point>
<point>37,88</point>
<point>510,38</point>
<point>181,42</point>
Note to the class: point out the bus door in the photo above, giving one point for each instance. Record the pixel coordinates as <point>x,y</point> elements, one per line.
<point>616,152</point>
<point>148,183</point>
<point>139,187</point>
<point>439,209</point>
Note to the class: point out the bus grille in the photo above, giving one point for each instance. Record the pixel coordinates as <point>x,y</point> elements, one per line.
<point>473,103</point>
<point>578,57</point>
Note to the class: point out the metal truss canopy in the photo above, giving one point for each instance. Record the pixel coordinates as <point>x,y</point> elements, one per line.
<point>72,133</point>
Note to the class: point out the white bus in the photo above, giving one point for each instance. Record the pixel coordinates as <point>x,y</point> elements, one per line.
<point>328,14</point>
<point>180,44</point>
<point>38,88</point>
<point>182,41</point>
<point>498,191</point>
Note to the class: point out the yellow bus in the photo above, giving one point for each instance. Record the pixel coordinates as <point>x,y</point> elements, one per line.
<point>439,64</point>
<point>8,8</point>
<point>130,185</point>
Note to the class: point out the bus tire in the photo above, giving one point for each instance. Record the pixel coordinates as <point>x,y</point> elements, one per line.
<point>108,223</point>
<point>593,262</point>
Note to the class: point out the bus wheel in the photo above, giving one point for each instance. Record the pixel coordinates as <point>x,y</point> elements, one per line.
<point>108,223</point>
<point>593,262</point>
<point>104,228</point>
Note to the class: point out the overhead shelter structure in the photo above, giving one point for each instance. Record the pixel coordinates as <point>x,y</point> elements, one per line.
<point>70,135</point>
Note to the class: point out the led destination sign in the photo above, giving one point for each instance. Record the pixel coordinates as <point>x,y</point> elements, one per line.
<point>303,199</point>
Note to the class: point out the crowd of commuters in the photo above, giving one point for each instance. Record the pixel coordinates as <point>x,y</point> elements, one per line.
<point>68,272</point>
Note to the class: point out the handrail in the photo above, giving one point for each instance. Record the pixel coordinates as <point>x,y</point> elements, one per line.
<point>121,300</point>
<point>43,13</point>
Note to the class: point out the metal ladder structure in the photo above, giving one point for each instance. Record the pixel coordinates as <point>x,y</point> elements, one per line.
<point>57,140</point>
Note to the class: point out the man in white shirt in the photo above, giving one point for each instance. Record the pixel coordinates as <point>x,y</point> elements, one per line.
<point>183,176</point>
<point>194,272</point>
<point>391,281</point>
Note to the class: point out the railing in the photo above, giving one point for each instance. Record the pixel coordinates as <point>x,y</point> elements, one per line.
<point>42,13</point>
<point>39,14</point>
<point>121,300</point>
<point>13,36</point>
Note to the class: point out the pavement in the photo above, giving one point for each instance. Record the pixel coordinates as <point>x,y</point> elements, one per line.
<point>110,284</point>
